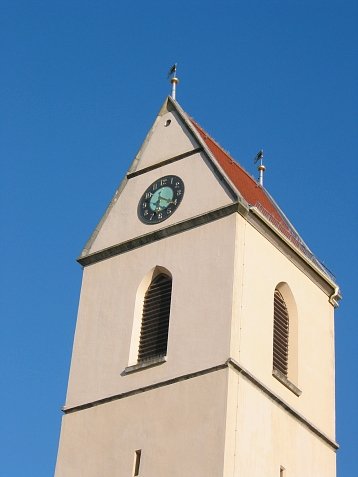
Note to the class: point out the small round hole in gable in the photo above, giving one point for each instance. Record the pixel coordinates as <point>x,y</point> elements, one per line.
<point>167,122</point>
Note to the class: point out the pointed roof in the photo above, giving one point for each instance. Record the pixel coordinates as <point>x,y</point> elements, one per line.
<point>256,196</point>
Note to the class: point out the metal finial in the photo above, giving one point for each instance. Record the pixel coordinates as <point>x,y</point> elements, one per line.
<point>261,168</point>
<point>174,80</point>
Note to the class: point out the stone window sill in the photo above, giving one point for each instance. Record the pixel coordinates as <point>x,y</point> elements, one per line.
<point>286,382</point>
<point>145,364</point>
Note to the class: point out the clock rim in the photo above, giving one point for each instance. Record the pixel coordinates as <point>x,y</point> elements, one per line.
<point>142,198</point>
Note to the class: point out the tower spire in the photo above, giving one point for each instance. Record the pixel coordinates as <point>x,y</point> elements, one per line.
<point>174,80</point>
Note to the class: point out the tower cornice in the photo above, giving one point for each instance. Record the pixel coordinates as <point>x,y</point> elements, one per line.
<point>254,217</point>
<point>231,364</point>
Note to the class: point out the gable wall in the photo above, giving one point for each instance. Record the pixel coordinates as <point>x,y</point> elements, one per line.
<point>168,138</point>
<point>203,192</point>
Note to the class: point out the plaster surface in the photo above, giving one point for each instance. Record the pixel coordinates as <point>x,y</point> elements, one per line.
<point>262,437</point>
<point>260,267</point>
<point>180,430</point>
<point>168,137</point>
<point>200,196</point>
<point>200,262</point>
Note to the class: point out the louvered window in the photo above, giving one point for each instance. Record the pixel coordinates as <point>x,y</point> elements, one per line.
<point>155,322</point>
<point>280,334</point>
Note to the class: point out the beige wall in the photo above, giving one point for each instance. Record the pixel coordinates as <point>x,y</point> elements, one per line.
<point>261,437</point>
<point>200,261</point>
<point>200,196</point>
<point>166,140</point>
<point>224,276</point>
<point>260,267</point>
<point>179,428</point>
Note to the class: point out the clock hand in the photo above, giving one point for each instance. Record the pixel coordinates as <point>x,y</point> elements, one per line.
<point>157,203</point>
<point>169,201</point>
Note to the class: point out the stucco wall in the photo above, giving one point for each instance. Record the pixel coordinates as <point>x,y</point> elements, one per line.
<point>201,264</point>
<point>168,137</point>
<point>260,267</point>
<point>200,196</point>
<point>224,277</point>
<point>262,437</point>
<point>179,428</point>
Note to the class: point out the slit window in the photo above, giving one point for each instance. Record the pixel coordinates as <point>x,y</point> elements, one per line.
<point>155,320</point>
<point>280,334</point>
<point>137,456</point>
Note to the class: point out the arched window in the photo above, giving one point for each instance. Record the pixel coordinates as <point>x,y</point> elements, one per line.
<point>285,338</point>
<point>280,334</point>
<point>155,319</point>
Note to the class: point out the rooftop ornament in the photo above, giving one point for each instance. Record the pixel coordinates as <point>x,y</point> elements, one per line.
<point>172,74</point>
<point>261,168</point>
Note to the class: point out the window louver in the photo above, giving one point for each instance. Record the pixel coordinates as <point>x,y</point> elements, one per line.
<point>280,334</point>
<point>155,321</point>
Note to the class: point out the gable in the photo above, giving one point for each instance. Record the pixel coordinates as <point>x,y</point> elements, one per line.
<point>172,147</point>
<point>203,193</point>
<point>168,138</point>
<point>176,145</point>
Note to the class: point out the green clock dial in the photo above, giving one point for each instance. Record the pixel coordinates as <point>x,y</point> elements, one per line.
<point>161,199</point>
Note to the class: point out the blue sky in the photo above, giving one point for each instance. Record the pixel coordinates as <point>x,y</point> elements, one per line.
<point>81,83</point>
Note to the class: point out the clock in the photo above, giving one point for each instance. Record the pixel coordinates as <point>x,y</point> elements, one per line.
<point>161,199</point>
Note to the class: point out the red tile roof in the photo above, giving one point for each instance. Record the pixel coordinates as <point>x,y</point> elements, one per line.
<point>251,191</point>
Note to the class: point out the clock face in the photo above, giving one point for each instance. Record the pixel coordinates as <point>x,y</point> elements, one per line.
<point>161,199</point>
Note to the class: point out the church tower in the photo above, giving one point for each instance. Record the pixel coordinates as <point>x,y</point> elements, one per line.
<point>204,344</point>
